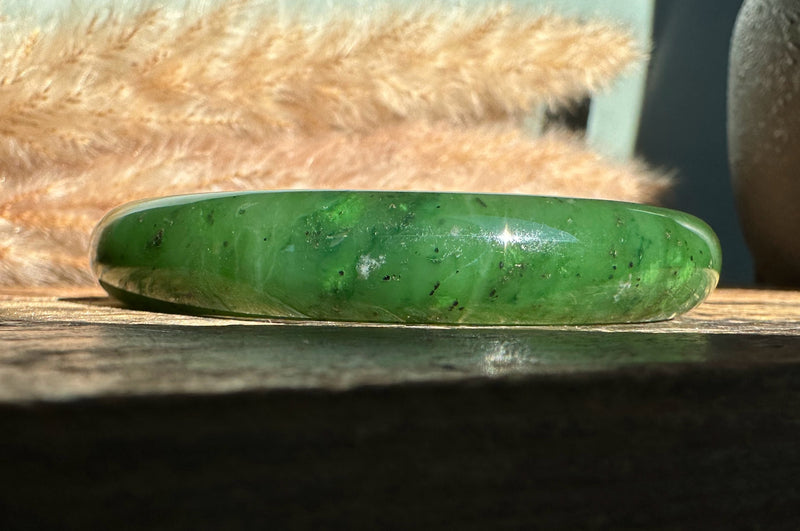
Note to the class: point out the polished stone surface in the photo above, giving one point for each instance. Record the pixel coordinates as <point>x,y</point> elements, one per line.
<point>407,257</point>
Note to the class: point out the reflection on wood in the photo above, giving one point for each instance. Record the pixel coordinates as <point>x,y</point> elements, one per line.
<point>71,344</point>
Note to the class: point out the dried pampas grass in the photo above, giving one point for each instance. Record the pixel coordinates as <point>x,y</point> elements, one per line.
<point>123,79</point>
<point>58,211</point>
<point>110,107</point>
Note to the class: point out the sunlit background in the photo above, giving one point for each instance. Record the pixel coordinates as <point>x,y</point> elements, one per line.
<point>678,124</point>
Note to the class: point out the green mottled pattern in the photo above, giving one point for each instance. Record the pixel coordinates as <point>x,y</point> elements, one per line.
<point>407,257</point>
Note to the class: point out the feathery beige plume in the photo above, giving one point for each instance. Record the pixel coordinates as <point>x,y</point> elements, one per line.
<point>101,109</point>
<point>56,212</point>
<point>116,80</point>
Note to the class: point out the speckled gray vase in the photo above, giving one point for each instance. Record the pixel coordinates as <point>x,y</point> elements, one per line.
<point>764,135</point>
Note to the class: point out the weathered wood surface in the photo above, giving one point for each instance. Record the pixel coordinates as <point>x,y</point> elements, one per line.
<point>117,419</point>
<point>729,311</point>
<point>57,345</point>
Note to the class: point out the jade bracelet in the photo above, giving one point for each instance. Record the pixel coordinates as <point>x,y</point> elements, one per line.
<point>406,257</point>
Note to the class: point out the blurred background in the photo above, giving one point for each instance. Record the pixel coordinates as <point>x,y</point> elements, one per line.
<point>672,114</point>
<point>683,121</point>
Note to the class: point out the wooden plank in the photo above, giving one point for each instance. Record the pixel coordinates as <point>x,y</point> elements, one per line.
<point>110,415</point>
<point>734,311</point>
<point>67,344</point>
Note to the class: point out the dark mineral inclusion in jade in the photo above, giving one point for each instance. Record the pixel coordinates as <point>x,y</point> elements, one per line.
<point>407,257</point>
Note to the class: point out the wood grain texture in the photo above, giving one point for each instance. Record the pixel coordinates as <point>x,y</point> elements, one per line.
<point>112,417</point>
<point>728,311</point>
<point>77,343</point>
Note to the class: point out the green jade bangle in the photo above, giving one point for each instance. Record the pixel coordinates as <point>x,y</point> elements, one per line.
<point>406,257</point>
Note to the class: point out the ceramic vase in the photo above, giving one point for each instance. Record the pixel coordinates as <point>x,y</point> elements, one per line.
<point>764,135</point>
